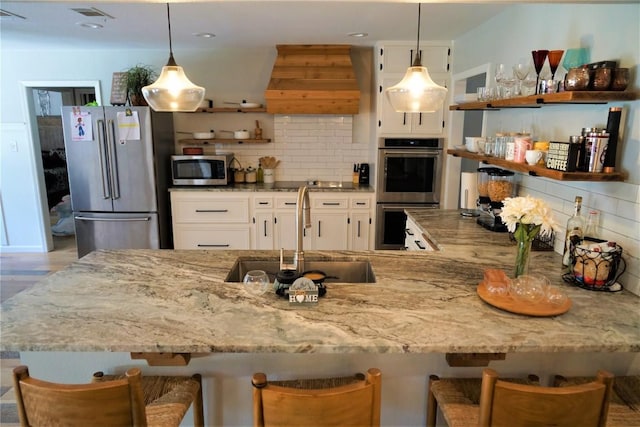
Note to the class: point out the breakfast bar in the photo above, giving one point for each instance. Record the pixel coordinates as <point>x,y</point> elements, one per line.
<point>113,308</point>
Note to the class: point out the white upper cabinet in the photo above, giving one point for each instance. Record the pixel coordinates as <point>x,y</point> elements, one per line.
<point>394,59</point>
<point>392,63</point>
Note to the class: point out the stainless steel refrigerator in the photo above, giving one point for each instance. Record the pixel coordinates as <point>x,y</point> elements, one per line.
<point>118,161</point>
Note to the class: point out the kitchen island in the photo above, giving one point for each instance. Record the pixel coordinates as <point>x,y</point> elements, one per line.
<point>109,304</point>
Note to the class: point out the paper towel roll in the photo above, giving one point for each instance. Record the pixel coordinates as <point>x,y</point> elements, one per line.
<point>468,190</point>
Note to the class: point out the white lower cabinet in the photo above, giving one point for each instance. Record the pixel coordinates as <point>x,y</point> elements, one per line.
<point>361,223</point>
<point>210,220</point>
<point>267,220</point>
<point>414,239</point>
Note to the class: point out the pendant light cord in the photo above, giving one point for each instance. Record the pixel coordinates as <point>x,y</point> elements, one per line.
<point>171,62</point>
<point>417,62</point>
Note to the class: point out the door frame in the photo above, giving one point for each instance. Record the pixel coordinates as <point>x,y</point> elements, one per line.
<point>33,138</point>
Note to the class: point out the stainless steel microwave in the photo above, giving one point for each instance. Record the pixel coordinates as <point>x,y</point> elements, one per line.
<point>202,169</point>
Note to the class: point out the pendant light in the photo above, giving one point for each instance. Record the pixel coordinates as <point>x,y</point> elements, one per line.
<point>416,92</point>
<point>173,91</point>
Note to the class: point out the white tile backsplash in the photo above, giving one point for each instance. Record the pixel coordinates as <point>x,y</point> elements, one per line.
<point>309,147</point>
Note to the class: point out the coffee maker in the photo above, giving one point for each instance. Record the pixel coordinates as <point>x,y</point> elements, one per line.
<point>363,174</point>
<point>494,185</point>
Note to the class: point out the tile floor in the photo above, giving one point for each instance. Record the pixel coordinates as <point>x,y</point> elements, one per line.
<point>20,271</point>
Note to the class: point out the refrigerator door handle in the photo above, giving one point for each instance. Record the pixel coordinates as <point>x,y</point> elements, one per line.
<point>106,194</point>
<point>86,218</point>
<point>115,179</point>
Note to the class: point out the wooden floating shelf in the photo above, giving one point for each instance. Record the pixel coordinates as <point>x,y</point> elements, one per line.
<point>231,110</point>
<point>223,141</point>
<point>537,101</point>
<point>537,170</point>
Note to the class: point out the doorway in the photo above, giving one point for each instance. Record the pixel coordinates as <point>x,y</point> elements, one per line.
<point>43,101</point>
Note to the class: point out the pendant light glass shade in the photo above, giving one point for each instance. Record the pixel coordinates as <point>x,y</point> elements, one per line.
<point>173,91</point>
<point>416,92</point>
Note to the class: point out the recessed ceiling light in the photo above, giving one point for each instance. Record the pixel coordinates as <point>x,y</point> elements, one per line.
<point>91,25</point>
<point>204,35</point>
<point>358,35</point>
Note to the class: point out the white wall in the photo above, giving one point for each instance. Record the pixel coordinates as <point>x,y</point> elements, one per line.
<point>611,32</point>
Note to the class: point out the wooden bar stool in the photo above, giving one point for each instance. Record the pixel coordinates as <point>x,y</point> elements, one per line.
<point>109,400</point>
<point>343,401</point>
<point>490,401</point>
<point>624,408</point>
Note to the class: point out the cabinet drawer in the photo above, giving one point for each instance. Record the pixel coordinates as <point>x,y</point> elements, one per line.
<point>211,211</point>
<point>208,237</point>
<point>360,203</point>
<point>263,202</point>
<point>330,203</point>
<point>286,202</point>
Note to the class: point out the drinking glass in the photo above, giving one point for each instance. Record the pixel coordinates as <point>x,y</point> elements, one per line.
<point>539,56</point>
<point>256,282</point>
<point>521,71</point>
<point>554,60</point>
<point>500,76</point>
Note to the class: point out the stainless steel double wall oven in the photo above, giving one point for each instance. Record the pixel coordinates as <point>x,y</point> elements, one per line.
<point>409,174</point>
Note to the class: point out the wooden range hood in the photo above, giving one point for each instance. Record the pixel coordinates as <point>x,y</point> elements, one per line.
<point>313,79</point>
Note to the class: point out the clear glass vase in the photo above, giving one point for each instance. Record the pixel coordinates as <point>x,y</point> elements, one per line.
<point>522,257</point>
<point>524,235</point>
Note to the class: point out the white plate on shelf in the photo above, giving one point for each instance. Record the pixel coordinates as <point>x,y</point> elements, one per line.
<point>460,147</point>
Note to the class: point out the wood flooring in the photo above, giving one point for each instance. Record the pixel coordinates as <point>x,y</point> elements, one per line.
<point>20,271</point>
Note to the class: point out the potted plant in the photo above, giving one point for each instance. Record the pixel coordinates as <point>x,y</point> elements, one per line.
<point>137,78</point>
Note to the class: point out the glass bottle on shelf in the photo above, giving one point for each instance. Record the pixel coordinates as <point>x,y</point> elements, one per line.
<point>591,231</point>
<point>260,174</point>
<point>575,233</point>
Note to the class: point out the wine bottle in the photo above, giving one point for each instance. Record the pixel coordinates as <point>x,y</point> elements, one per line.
<point>574,234</point>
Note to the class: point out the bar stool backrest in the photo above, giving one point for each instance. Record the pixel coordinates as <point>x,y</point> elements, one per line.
<point>504,403</point>
<point>110,403</point>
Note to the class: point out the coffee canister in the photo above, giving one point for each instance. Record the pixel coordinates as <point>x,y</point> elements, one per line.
<point>596,150</point>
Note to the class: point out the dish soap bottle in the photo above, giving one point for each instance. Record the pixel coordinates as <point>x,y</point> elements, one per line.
<point>574,234</point>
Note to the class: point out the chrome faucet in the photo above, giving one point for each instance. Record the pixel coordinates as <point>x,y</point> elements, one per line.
<point>302,204</point>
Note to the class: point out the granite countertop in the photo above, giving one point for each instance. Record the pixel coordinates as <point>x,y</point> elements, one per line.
<point>423,302</point>
<point>284,186</point>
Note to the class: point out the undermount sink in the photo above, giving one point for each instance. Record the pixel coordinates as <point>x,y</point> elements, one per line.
<point>346,271</point>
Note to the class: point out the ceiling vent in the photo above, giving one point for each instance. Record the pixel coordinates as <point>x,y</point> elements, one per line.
<point>91,12</point>
<point>313,79</point>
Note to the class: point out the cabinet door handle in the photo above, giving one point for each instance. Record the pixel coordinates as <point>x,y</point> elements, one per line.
<point>358,228</point>
<point>265,228</point>
<point>319,223</point>
<point>330,203</point>
<point>361,203</point>
<point>420,119</point>
<point>420,245</point>
<point>212,210</point>
<point>409,232</point>
<point>263,203</point>
<point>404,119</point>
<point>204,245</point>
<point>290,203</point>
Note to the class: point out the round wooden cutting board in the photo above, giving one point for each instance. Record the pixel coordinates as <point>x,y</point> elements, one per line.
<point>507,303</point>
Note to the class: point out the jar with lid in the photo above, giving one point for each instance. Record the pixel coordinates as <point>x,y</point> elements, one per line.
<point>501,185</point>
<point>251,175</point>
<point>510,147</point>
<point>522,143</point>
